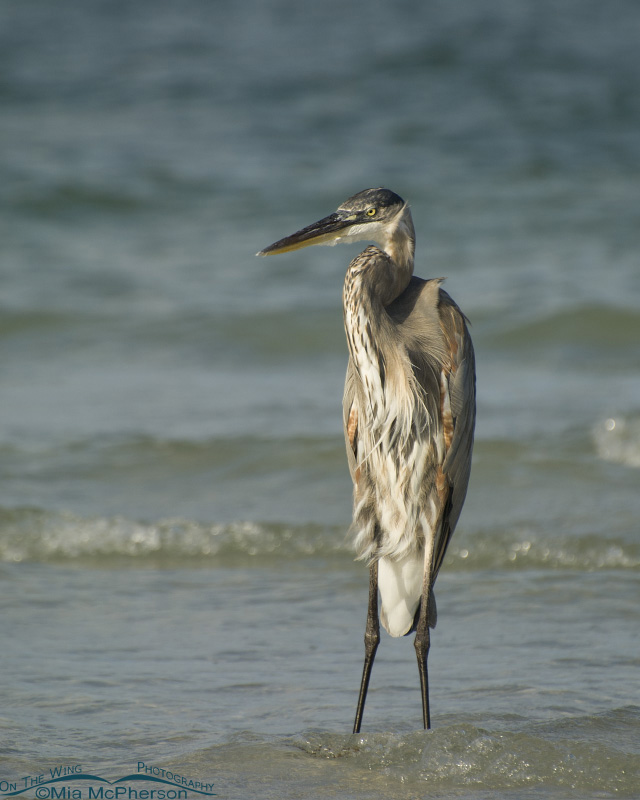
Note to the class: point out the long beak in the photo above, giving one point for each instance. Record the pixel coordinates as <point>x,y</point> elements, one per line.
<point>325,231</point>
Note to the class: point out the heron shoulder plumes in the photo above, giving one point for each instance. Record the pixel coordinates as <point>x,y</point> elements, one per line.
<point>409,416</point>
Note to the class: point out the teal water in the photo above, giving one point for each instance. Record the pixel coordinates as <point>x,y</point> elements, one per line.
<point>176,582</point>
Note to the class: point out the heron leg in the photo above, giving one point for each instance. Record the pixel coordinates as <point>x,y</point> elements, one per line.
<point>422,643</point>
<point>371,641</point>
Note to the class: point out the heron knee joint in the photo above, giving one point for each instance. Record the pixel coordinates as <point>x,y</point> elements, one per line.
<point>422,644</point>
<point>371,639</point>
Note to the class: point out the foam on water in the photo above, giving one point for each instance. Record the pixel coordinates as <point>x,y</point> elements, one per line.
<point>503,759</point>
<point>617,439</point>
<point>33,535</point>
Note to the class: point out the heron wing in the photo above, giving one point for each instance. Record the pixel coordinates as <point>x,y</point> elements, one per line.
<point>434,333</point>
<point>460,375</point>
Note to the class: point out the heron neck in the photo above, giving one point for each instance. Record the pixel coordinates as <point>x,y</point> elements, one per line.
<point>370,334</point>
<point>370,284</point>
<point>364,322</point>
<point>400,246</point>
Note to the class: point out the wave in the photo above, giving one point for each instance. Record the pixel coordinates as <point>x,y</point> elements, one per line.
<point>584,756</point>
<point>37,535</point>
<point>502,757</point>
<point>73,197</point>
<point>584,329</point>
<point>618,440</point>
<point>576,753</point>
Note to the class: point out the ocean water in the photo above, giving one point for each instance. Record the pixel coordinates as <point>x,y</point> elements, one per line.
<point>177,586</point>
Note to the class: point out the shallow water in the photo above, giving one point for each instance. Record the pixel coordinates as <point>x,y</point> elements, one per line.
<point>176,582</point>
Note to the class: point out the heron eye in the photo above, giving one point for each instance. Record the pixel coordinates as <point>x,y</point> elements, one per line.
<point>371,212</point>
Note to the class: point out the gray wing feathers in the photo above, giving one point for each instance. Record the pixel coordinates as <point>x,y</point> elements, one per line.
<point>435,333</point>
<point>457,464</point>
<point>462,396</point>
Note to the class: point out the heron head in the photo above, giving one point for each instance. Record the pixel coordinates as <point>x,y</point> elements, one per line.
<point>375,215</point>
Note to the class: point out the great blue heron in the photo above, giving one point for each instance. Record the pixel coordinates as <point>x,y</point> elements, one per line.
<point>409,416</point>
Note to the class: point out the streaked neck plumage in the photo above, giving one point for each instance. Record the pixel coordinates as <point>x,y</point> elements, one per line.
<point>374,282</point>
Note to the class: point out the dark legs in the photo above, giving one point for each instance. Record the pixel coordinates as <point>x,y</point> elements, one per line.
<point>371,641</point>
<point>421,644</point>
<point>422,651</point>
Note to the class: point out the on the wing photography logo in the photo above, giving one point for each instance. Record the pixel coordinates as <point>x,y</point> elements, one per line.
<point>74,783</point>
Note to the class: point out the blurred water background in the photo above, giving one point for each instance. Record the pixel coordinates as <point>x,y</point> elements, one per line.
<point>176,586</point>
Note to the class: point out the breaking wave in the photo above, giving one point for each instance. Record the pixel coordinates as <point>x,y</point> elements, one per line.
<point>36,535</point>
<point>617,439</point>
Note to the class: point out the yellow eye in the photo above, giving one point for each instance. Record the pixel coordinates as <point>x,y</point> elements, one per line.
<point>371,212</point>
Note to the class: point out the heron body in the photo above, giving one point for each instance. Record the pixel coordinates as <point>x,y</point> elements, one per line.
<point>409,416</point>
